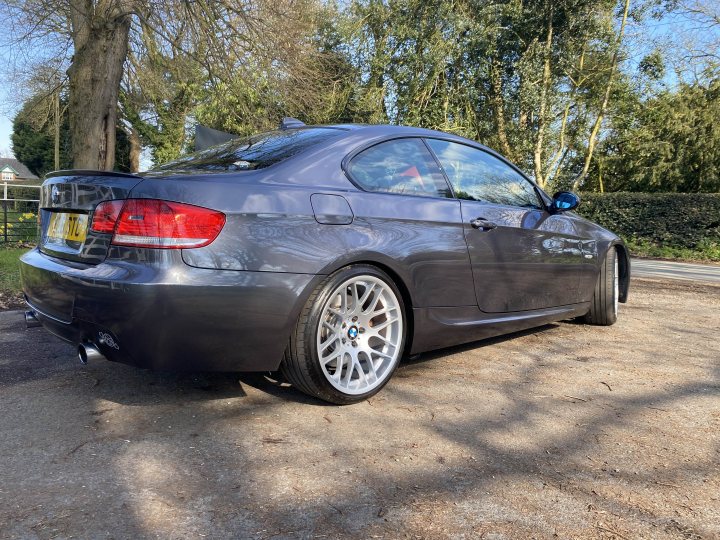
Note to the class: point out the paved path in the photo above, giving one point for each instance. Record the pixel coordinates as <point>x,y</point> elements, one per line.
<point>675,270</point>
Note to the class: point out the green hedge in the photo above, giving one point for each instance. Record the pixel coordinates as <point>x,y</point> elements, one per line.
<point>674,222</point>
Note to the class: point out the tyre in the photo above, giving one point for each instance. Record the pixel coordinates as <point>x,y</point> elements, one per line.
<point>604,307</point>
<point>349,337</point>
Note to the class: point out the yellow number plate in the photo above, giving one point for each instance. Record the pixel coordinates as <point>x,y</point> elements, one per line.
<point>65,226</point>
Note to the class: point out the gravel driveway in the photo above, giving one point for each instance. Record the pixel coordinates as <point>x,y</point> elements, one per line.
<point>566,431</point>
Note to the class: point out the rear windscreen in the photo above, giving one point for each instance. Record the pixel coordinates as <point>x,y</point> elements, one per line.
<point>255,152</point>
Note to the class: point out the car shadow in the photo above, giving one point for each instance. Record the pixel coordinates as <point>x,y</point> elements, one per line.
<point>465,347</point>
<point>111,381</point>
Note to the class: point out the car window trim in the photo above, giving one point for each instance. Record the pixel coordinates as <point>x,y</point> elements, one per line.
<point>349,157</point>
<point>543,198</point>
<point>442,169</point>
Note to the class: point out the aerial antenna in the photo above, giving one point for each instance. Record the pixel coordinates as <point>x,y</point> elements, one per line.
<point>289,123</point>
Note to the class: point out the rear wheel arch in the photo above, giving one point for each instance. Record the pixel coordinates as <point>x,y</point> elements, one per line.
<point>399,282</point>
<point>381,262</point>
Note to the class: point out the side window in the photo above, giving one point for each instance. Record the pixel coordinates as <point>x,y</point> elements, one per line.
<point>399,166</point>
<point>476,175</point>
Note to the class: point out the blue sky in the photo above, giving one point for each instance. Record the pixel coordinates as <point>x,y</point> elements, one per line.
<point>7,106</point>
<point>5,130</point>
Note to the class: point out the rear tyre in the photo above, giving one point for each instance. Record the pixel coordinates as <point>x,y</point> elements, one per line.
<point>604,307</point>
<point>349,337</point>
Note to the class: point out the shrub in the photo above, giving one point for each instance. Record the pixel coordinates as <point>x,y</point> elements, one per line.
<point>669,222</point>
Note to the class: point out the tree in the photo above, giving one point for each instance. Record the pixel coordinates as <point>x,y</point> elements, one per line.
<point>97,34</point>
<point>671,142</point>
<point>526,78</point>
<point>592,139</point>
<point>34,133</point>
<point>34,137</point>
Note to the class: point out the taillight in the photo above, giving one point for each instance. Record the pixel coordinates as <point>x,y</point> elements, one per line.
<point>157,224</point>
<point>105,216</point>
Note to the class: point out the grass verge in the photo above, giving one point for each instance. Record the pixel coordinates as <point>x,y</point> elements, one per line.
<point>10,291</point>
<point>704,252</point>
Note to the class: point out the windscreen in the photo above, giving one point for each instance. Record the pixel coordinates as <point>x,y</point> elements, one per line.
<point>254,152</point>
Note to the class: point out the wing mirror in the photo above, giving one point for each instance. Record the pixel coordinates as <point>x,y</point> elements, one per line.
<point>564,201</point>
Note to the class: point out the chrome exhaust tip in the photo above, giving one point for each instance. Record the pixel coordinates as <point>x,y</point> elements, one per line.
<point>87,352</point>
<point>31,320</point>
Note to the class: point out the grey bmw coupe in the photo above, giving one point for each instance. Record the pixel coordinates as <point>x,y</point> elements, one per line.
<point>325,252</point>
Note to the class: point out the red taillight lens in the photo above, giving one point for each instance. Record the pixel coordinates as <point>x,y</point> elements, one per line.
<point>158,224</point>
<point>105,216</point>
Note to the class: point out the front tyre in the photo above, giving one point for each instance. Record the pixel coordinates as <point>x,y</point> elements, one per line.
<point>604,307</point>
<point>349,337</point>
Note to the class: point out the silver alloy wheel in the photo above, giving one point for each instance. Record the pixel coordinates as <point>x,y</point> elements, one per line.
<point>359,335</point>
<point>616,287</point>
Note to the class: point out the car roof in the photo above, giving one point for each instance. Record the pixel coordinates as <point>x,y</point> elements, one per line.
<point>379,130</point>
<point>388,128</point>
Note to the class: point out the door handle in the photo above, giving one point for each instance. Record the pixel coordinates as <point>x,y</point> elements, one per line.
<point>482,224</point>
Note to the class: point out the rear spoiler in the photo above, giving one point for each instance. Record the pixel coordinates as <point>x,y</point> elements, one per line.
<point>90,172</point>
<point>206,137</point>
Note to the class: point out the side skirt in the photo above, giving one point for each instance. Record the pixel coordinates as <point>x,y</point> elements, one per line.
<point>440,327</point>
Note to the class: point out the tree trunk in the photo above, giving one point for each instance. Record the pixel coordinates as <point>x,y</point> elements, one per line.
<point>496,99</point>
<point>556,161</point>
<point>540,176</point>
<point>135,150</point>
<point>592,140</point>
<point>57,130</point>
<point>101,44</point>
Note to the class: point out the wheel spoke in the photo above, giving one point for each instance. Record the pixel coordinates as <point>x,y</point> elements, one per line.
<point>344,301</point>
<point>371,366</point>
<point>376,328</point>
<point>374,304</point>
<point>368,291</point>
<point>355,296</point>
<point>326,361</point>
<point>326,344</point>
<point>350,371</point>
<point>340,365</point>
<point>330,327</point>
<point>383,311</point>
<point>385,339</point>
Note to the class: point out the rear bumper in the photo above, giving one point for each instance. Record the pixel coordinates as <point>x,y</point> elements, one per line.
<point>165,315</point>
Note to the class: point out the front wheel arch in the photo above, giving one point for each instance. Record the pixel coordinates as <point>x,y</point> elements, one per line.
<point>606,291</point>
<point>624,267</point>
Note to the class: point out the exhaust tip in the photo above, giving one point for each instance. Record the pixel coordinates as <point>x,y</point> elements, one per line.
<point>31,321</point>
<point>87,352</point>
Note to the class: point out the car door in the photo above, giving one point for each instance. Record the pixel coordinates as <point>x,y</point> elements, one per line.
<point>407,212</point>
<point>522,256</point>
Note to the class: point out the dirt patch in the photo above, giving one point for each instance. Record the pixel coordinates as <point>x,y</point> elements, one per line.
<point>11,300</point>
<point>567,431</point>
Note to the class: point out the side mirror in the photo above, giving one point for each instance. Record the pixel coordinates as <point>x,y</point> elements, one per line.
<point>564,201</point>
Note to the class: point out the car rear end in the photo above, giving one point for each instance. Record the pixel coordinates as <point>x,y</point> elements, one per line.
<point>109,276</point>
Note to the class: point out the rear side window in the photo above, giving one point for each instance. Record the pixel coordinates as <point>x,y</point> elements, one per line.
<point>255,152</point>
<point>476,175</point>
<point>403,166</point>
